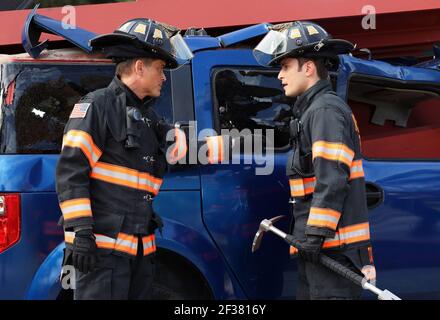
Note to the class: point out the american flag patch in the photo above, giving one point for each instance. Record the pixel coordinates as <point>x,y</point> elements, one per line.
<point>79,110</point>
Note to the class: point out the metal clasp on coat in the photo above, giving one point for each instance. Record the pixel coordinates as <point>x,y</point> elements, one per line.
<point>147,121</point>
<point>149,159</point>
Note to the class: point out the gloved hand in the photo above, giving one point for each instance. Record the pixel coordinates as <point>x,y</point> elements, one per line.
<point>84,255</point>
<point>310,248</point>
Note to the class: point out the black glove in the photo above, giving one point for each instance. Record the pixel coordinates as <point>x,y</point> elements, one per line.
<point>84,255</point>
<point>310,248</point>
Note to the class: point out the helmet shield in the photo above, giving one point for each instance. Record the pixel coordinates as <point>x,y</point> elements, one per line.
<point>273,44</point>
<point>298,39</point>
<point>180,50</point>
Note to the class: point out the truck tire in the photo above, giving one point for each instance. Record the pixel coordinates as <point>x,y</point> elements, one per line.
<point>177,279</point>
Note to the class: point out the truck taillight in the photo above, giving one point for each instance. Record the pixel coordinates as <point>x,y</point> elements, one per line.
<point>10,223</point>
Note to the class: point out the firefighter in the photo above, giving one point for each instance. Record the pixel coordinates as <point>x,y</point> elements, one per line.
<point>112,163</point>
<point>325,169</point>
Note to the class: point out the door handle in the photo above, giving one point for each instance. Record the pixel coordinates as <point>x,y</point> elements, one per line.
<point>375,195</point>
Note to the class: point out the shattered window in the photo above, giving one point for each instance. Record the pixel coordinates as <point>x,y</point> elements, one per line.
<point>39,101</point>
<point>252,99</point>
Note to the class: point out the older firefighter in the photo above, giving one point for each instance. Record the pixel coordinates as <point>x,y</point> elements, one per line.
<point>325,170</point>
<point>112,163</point>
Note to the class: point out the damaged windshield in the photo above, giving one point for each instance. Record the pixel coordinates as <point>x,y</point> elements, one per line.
<point>38,100</point>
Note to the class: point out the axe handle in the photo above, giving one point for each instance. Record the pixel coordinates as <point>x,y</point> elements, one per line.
<point>332,264</point>
<point>341,270</point>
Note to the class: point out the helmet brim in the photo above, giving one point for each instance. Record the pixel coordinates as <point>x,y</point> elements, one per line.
<point>110,39</point>
<point>114,39</point>
<point>332,48</point>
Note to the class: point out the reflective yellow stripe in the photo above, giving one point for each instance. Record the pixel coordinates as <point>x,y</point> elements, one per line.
<point>104,242</point>
<point>124,243</point>
<point>333,151</point>
<point>215,149</point>
<point>76,208</point>
<point>84,141</point>
<point>69,236</point>
<point>149,244</point>
<point>126,177</point>
<point>323,217</point>
<point>296,187</point>
<point>347,235</point>
<point>356,170</point>
<point>302,186</point>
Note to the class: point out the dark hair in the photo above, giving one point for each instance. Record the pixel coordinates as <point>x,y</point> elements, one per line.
<point>320,64</point>
<point>124,67</point>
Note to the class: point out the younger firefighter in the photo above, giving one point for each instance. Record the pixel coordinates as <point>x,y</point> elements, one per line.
<point>325,170</point>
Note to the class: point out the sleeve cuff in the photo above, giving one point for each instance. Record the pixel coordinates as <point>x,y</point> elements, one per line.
<point>323,232</point>
<point>78,222</point>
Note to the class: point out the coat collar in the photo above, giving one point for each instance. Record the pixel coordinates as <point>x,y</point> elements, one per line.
<point>305,100</point>
<point>131,98</point>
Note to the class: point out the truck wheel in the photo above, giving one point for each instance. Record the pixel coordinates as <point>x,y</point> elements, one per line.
<point>162,292</point>
<point>177,279</point>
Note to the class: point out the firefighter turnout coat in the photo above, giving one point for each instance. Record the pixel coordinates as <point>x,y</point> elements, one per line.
<point>325,173</point>
<point>109,171</point>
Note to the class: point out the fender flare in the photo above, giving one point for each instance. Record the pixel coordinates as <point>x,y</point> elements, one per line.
<point>46,284</point>
<point>206,259</point>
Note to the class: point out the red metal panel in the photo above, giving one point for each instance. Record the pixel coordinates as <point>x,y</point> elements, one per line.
<point>395,18</point>
<point>397,34</point>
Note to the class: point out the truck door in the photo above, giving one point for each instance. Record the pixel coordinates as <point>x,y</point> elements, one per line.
<point>232,92</point>
<point>398,114</point>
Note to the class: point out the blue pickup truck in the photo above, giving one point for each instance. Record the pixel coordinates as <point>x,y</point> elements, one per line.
<point>211,212</point>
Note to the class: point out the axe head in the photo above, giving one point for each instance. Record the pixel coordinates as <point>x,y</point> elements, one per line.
<point>387,295</point>
<point>264,226</point>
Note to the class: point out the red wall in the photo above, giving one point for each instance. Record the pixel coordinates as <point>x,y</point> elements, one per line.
<point>404,25</point>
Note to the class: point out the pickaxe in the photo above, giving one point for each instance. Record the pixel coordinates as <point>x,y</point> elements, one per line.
<point>267,225</point>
